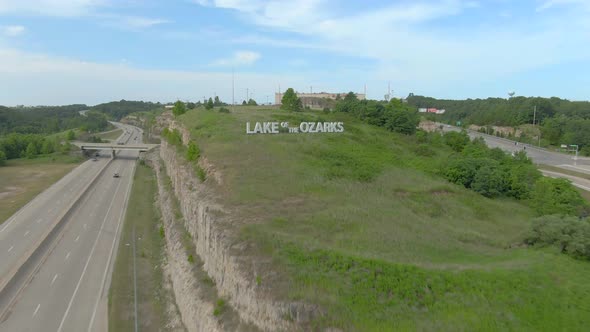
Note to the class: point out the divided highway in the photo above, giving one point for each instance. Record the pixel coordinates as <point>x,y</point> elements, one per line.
<point>64,284</point>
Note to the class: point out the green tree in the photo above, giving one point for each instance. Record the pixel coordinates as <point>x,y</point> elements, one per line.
<point>252,102</point>
<point>217,102</point>
<point>191,105</point>
<point>209,105</point>
<point>2,158</point>
<point>70,135</point>
<point>179,108</point>
<point>48,146</point>
<point>490,181</point>
<point>457,141</point>
<point>399,118</point>
<point>291,102</point>
<point>31,151</point>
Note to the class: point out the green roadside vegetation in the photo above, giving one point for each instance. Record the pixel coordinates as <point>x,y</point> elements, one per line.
<point>364,224</point>
<point>23,179</point>
<point>152,298</point>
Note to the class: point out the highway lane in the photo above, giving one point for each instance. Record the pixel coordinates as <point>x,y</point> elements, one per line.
<point>23,231</point>
<point>69,290</point>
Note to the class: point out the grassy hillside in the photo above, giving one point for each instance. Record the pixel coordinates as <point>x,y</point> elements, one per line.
<point>361,224</point>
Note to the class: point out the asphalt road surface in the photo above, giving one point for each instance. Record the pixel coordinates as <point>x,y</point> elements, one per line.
<point>67,290</point>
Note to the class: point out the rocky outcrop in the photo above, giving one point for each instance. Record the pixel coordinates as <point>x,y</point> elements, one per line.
<point>212,230</point>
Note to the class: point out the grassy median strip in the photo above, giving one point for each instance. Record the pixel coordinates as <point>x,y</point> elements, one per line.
<point>152,298</point>
<point>110,135</point>
<point>23,179</point>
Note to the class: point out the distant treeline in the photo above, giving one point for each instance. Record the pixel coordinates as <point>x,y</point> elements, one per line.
<point>116,110</point>
<point>562,121</point>
<point>16,145</point>
<point>47,119</point>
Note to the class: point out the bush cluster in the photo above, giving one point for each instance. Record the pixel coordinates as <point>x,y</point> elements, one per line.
<point>172,136</point>
<point>570,234</point>
<point>393,115</point>
<point>17,145</point>
<point>493,173</point>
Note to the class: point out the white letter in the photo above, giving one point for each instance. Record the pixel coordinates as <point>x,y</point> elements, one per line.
<point>303,127</point>
<point>258,128</point>
<point>275,128</point>
<point>340,127</point>
<point>248,131</point>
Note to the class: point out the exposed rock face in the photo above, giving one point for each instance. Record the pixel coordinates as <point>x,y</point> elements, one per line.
<point>196,314</point>
<point>212,229</point>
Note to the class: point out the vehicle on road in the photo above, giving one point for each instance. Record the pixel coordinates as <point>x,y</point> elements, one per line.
<point>116,175</point>
<point>94,159</point>
<point>120,143</point>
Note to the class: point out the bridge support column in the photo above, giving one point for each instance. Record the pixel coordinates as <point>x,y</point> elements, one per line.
<point>113,153</point>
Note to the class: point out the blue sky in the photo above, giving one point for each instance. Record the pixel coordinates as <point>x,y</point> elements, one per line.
<point>92,51</point>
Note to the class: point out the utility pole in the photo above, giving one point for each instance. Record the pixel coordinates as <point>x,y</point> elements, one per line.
<point>232,87</point>
<point>534,115</point>
<point>247,95</point>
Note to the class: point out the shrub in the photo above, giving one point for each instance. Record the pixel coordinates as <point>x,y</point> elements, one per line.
<point>457,141</point>
<point>557,196</point>
<point>570,234</point>
<point>424,150</point>
<point>219,307</point>
<point>201,174</point>
<point>193,152</point>
<point>490,181</point>
<point>224,110</point>
<point>191,259</point>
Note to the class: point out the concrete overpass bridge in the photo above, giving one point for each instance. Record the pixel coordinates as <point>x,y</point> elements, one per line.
<point>115,147</point>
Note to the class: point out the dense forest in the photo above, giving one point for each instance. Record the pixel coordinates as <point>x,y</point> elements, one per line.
<point>562,121</point>
<point>116,110</point>
<point>48,119</point>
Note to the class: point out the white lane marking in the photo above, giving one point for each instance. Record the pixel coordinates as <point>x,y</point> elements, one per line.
<point>39,220</point>
<point>53,280</point>
<point>26,233</point>
<point>117,234</point>
<point>78,238</point>
<point>63,320</point>
<point>68,255</point>
<point>38,306</point>
<point>10,249</point>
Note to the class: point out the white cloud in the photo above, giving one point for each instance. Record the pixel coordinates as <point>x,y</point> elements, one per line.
<point>12,30</point>
<point>57,80</point>
<point>548,4</point>
<point>405,40</point>
<point>51,7</point>
<point>240,58</point>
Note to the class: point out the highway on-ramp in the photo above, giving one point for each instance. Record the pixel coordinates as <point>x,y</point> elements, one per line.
<point>65,287</point>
